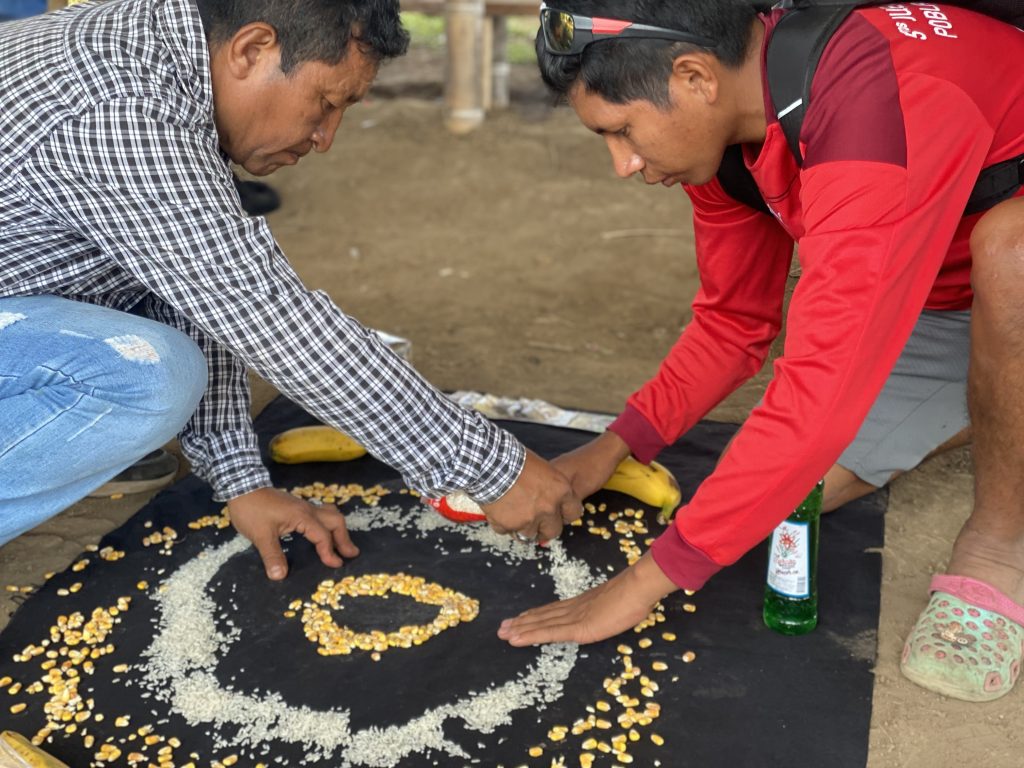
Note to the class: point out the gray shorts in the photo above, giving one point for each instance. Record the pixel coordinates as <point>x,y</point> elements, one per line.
<point>923,403</point>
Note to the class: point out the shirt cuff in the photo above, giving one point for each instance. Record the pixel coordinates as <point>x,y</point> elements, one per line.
<point>639,434</point>
<point>230,462</point>
<point>226,488</point>
<point>506,463</point>
<point>683,563</point>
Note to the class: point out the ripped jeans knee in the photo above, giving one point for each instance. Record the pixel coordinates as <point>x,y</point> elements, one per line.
<point>84,391</point>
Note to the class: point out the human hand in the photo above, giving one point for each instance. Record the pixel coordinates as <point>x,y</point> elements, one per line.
<point>537,506</point>
<point>589,466</point>
<point>265,515</point>
<point>604,611</point>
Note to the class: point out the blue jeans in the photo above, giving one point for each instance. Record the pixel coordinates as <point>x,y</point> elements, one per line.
<point>84,392</point>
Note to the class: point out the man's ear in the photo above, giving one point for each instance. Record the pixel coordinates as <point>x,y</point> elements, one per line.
<point>696,75</point>
<point>248,47</point>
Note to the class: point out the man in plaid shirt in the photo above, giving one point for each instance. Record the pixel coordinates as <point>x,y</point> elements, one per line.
<point>135,292</point>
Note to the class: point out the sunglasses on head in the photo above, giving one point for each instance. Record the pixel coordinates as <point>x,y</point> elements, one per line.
<point>567,34</point>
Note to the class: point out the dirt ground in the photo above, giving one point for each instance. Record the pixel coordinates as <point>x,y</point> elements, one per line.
<point>518,264</point>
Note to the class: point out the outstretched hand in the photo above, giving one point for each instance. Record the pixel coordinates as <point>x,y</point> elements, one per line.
<point>604,611</point>
<point>265,515</point>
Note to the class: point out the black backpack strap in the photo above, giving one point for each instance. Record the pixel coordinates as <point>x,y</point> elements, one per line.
<point>794,50</point>
<point>996,183</point>
<point>737,181</point>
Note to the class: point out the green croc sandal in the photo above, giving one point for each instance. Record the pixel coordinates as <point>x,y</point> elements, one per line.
<point>967,643</point>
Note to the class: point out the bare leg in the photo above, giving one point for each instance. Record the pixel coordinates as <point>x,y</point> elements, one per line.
<point>843,486</point>
<point>990,546</point>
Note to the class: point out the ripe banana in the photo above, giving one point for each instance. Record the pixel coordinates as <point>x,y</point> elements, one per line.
<point>650,483</point>
<point>17,752</point>
<point>316,443</point>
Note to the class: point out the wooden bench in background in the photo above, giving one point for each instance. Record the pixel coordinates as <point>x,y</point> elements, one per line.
<point>476,77</point>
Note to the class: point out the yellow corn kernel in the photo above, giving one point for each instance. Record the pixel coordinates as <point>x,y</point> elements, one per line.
<point>659,666</point>
<point>16,708</point>
<point>670,636</point>
<point>657,739</point>
<point>536,751</point>
<point>689,656</point>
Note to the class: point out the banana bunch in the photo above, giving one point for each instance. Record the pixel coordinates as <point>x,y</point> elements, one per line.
<point>316,443</point>
<point>17,752</point>
<point>650,483</point>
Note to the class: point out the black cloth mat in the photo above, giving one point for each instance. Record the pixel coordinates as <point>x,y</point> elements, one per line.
<point>750,697</point>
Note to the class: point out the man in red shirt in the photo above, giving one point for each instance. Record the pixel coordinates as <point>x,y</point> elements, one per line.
<point>908,105</point>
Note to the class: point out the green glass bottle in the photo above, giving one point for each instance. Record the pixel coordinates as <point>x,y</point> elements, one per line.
<point>791,592</point>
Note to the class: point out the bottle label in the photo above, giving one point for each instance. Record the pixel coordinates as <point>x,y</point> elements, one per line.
<point>789,561</point>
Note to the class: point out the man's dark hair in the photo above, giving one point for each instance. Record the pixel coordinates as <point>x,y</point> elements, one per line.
<point>633,69</point>
<point>312,30</point>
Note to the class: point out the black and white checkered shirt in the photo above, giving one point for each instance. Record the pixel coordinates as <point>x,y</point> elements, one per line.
<point>113,190</point>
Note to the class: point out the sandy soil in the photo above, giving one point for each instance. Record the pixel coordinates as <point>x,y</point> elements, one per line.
<point>519,265</point>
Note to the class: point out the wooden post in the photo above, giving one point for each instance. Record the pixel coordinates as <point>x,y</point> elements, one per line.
<point>486,61</point>
<point>500,65</point>
<point>464,27</point>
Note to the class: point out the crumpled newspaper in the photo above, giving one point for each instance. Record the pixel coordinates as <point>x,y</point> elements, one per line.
<point>514,409</point>
<point>537,411</point>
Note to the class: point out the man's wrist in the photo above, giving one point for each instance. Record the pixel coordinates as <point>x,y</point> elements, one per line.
<point>651,582</point>
<point>251,494</point>
<point>633,428</point>
<point>612,447</point>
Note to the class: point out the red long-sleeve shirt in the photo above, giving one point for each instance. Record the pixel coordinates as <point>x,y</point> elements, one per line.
<point>902,118</point>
